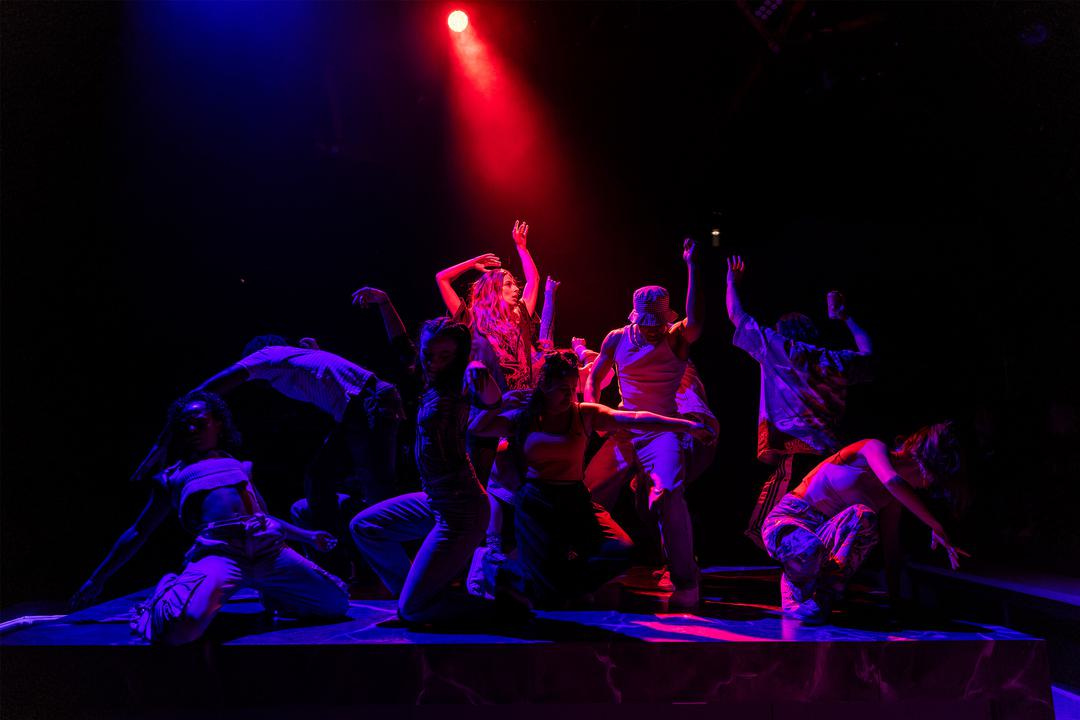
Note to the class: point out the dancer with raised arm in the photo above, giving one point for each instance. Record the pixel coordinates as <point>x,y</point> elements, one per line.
<point>500,315</point>
<point>450,513</point>
<point>650,355</point>
<point>803,391</point>
<point>568,545</point>
<point>237,544</point>
<point>823,529</point>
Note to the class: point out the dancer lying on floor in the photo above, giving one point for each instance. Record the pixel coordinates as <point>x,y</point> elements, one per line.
<point>568,545</point>
<point>237,544</point>
<point>822,530</point>
<point>450,513</point>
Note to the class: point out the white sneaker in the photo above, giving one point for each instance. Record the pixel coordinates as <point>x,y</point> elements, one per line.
<point>686,598</point>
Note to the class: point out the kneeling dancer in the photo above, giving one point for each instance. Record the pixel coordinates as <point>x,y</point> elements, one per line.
<point>568,545</point>
<point>237,544</point>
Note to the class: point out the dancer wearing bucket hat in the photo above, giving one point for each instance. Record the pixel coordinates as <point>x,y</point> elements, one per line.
<point>650,356</point>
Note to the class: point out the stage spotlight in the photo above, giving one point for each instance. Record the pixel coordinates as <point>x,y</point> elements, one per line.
<point>458,21</point>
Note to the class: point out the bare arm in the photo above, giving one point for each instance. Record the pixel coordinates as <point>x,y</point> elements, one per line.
<point>547,317</point>
<point>736,268</point>
<point>605,419</point>
<point>485,393</point>
<point>532,276</point>
<point>444,279</point>
<point>318,539</point>
<point>862,339</point>
<point>368,296</point>
<point>877,455</point>
<point>225,381</point>
<point>156,510</point>
<point>602,365</point>
<point>695,303</point>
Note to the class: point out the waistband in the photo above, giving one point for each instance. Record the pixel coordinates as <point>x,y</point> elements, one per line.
<point>234,528</point>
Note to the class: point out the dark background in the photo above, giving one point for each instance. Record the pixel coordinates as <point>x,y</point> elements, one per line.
<point>179,177</point>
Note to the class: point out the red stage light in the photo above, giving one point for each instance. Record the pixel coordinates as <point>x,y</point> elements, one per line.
<point>458,21</point>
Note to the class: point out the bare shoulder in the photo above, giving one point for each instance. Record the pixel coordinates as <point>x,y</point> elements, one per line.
<point>870,447</point>
<point>612,338</point>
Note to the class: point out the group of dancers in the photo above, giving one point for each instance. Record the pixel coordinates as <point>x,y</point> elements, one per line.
<point>509,515</point>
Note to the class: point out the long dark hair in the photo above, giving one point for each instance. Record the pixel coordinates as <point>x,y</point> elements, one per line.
<point>228,441</point>
<point>452,377</point>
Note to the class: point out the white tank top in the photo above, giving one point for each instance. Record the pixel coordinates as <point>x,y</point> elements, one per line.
<point>649,375</point>
<point>834,485</point>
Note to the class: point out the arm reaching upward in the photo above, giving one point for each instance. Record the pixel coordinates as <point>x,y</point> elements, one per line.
<point>736,268</point>
<point>532,276</point>
<point>444,279</point>
<point>368,296</point>
<point>695,304</point>
<point>839,312</point>
<point>547,317</point>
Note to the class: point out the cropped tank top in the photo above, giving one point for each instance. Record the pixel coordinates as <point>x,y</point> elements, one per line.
<point>557,457</point>
<point>838,483</point>
<point>187,483</point>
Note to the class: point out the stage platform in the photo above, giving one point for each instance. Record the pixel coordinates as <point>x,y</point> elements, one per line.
<point>730,659</point>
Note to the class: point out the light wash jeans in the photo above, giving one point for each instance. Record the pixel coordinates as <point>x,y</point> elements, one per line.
<point>249,553</point>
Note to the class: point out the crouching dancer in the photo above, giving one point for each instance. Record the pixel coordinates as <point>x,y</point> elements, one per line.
<point>237,544</point>
<point>568,545</point>
<point>823,529</point>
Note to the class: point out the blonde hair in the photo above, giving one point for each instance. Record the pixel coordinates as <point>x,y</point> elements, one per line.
<point>490,314</point>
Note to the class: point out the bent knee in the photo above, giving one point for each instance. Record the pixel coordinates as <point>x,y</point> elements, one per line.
<point>364,530</point>
<point>412,609</point>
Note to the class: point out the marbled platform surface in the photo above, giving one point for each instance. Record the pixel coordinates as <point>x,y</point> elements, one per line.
<point>727,653</point>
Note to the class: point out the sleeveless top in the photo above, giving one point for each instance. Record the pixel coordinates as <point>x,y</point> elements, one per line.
<point>649,375</point>
<point>838,483</point>
<point>557,457</point>
<point>440,434</point>
<point>185,483</point>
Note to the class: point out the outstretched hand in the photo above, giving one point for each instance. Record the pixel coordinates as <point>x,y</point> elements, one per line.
<point>487,261</point>
<point>550,285</point>
<point>689,254</point>
<point>954,553</point>
<point>367,296</point>
<point>322,541</point>
<point>735,269</point>
<point>521,233</point>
